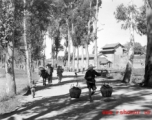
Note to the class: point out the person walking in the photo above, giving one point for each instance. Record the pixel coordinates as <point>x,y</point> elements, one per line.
<point>59,73</point>
<point>33,87</point>
<point>49,70</point>
<point>90,80</point>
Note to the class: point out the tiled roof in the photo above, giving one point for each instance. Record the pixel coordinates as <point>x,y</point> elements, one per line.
<point>107,50</point>
<point>90,56</point>
<point>111,45</point>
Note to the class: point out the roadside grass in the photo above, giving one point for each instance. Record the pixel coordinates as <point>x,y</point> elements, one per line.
<point>138,74</point>
<point>21,81</point>
<point>9,103</point>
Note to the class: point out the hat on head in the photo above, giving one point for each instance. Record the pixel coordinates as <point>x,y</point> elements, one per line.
<point>90,67</point>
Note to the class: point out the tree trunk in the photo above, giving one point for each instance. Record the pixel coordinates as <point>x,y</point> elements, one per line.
<point>148,61</point>
<point>65,58</point>
<point>95,37</point>
<point>9,67</point>
<point>56,57</point>
<point>69,47</point>
<point>86,45</point>
<point>82,59</point>
<point>87,56</point>
<point>27,48</point>
<point>73,58</point>
<point>52,52</point>
<point>10,75</point>
<point>44,60</point>
<point>78,59</point>
<point>32,66</point>
<point>129,66</point>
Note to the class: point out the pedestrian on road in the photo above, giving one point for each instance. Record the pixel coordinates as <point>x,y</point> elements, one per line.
<point>90,80</point>
<point>59,73</point>
<point>33,87</point>
<point>49,70</point>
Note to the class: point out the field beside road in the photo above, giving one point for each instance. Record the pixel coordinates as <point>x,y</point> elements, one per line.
<point>21,81</point>
<point>8,104</point>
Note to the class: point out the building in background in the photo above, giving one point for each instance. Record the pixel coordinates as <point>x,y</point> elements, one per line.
<point>116,54</point>
<point>103,62</point>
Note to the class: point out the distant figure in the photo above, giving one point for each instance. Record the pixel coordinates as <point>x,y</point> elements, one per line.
<point>90,80</point>
<point>142,63</point>
<point>43,73</point>
<point>59,73</point>
<point>33,86</point>
<point>76,74</point>
<point>49,70</point>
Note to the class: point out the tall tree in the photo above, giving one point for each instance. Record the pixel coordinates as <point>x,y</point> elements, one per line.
<point>88,15</point>
<point>7,38</point>
<point>59,23</point>
<point>78,34</point>
<point>70,10</point>
<point>36,16</point>
<point>27,46</point>
<point>66,51</point>
<point>128,15</point>
<point>57,43</point>
<point>148,63</point>
<point>87,12</point>
<point>98,4</point>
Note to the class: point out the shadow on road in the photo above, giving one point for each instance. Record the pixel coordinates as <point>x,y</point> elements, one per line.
<point>63,108</point>
<point>72,80</point>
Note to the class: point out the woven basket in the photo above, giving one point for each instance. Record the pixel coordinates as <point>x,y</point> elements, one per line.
<point>75,92</point>
<point>106,90</point>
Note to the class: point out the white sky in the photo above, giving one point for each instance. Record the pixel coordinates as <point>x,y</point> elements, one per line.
<point>112,32</point>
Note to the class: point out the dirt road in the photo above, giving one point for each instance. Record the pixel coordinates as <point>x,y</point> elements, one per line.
<point>53,103</point>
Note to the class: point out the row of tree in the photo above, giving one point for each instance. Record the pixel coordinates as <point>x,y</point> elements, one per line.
<point>24,23</point>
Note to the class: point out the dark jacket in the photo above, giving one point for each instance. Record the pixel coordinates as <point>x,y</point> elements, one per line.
<point>90,75</point>
<point>59,71</point>
<point>43,73</point>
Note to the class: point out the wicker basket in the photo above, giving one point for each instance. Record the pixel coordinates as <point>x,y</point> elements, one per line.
<point>75,92</point>
<point>106,90</point>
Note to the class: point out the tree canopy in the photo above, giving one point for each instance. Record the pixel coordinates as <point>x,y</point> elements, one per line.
<point>138,22</point>
<point>138,48</point>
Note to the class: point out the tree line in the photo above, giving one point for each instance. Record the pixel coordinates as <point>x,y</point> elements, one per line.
<point>24,23</point>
